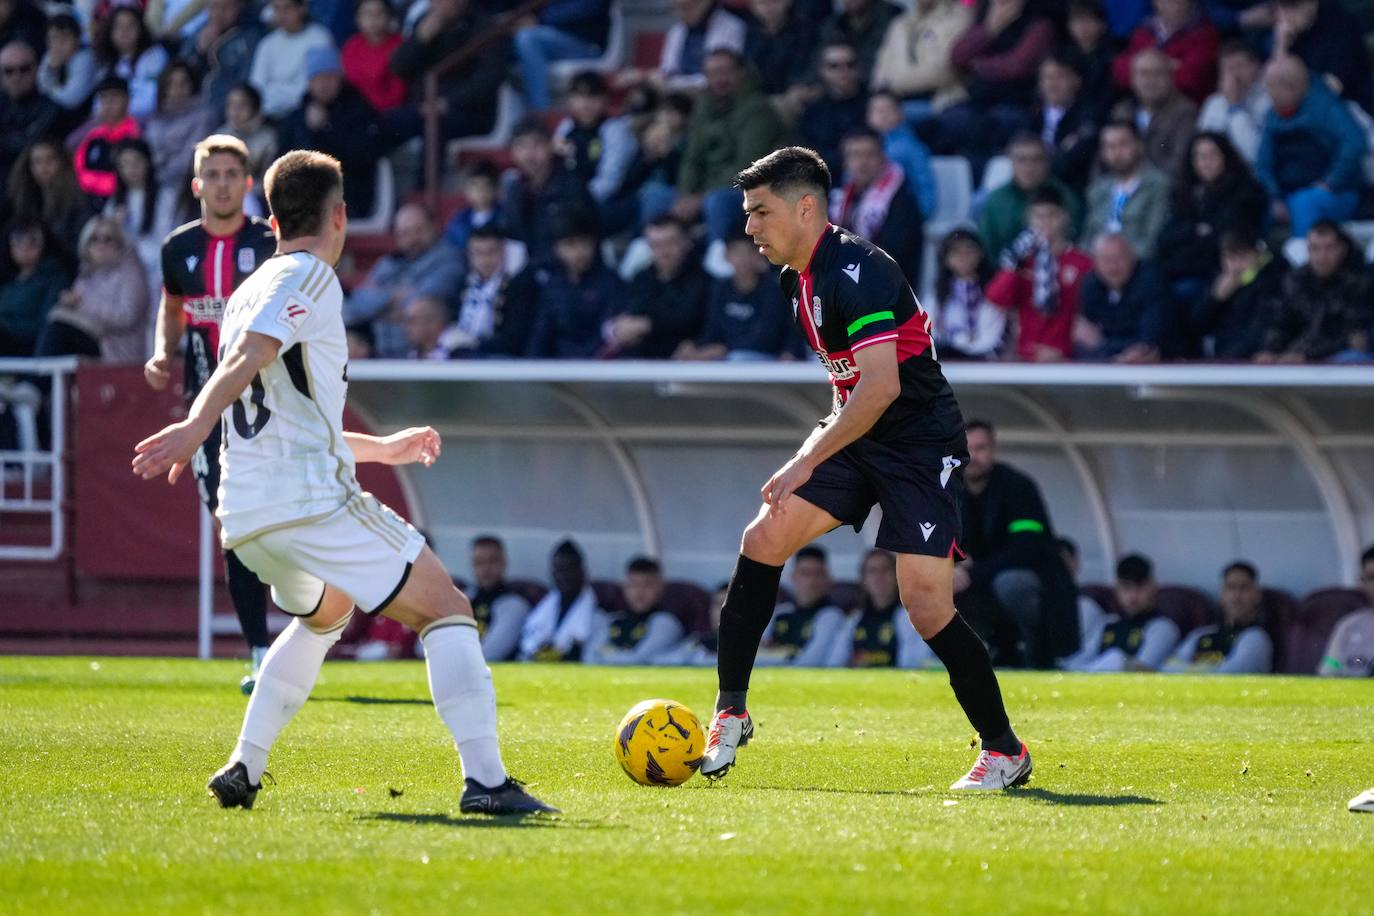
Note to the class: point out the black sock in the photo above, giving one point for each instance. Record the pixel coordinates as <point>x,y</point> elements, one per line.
<point>975,684</point>
<point>250,600</point>
<point>748,607</point>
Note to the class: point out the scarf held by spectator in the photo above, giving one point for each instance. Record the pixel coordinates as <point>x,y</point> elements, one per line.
<point>867,214</point>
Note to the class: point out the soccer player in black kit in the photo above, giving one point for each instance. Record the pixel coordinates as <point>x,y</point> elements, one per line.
<point>203,262</point>
<point>895,438</point>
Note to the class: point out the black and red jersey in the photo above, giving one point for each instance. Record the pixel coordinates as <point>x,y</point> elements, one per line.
<point>204,270</point>
<point>852,295</point>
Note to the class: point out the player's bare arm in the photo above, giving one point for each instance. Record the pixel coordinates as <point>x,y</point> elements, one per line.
<point>878,387</point>
<point>169,451</point>
<point>171,324</point>
<point>416,445</point>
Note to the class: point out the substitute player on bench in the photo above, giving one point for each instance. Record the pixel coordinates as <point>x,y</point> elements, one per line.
<point>289,502</point>
<point>203,262</point>
<point>895,438</point>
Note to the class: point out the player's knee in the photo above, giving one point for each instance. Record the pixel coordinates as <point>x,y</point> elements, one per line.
<point>928,609</point>
<point>763,543</point>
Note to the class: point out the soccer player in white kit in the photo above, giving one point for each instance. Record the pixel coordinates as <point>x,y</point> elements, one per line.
<point>291,507</point>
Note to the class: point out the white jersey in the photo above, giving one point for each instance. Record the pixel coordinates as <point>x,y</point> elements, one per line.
<point>283,458</point>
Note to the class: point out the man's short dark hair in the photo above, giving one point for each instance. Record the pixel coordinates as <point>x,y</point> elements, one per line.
<point>530,126</point>
<point>644,565</point>
<point>972,426</point>
<point>863,133</point>
<point>878,552</point>
<point>1368,555</point>
<point>1239,46</point>
<point>568,548</point>
<point>65,22</point>
<point>790,172</point>
<point>813,552</point>
<point>589,82</point>
<point>109,83</point>
<point>726,52</point>
<point>254,96</point>
<point>489,232</point>
<point>885,94</point>
<point>1241,566</point>
<point>298,186</point>
<point>668,221</point>
<point>1064,60</point>
<point>1026,138</point>
<point>1087,8</point>
<point>485,170</point>
<point>1122,124</point>
<point>488,540</point>
<point>577,225</point>
<point>1046,195</point>
<point>1238,238</point>
<point>1134,569</point>
<point>1067,545</point>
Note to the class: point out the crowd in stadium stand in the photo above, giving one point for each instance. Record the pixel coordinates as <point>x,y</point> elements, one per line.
<point>1018,588</point>
<point>1174,179</point>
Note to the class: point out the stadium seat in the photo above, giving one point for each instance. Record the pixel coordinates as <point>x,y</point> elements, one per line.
<point>1104,595</point>
<point>689,603</point>
<point>1306,636</point>
<point>561,72</point>
<point>1277,609</point>
<point>378,222</point>
<point>953,206</point>
<point>848,595</point>
<point>509,109</point>
<point>995,174</point>
<point>1187,607</point>
<point>609,597</point>
<point>530,590</point>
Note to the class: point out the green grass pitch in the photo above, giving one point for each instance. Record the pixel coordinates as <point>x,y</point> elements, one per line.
<point>1150,795</point>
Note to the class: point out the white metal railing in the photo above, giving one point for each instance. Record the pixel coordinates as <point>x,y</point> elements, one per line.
<point>28,466</point>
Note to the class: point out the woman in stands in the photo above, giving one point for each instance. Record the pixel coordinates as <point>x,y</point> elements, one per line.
<point>1214,191</point>
<point>36,278</point>
<point>105,313</point>
<point>124,47</point>
<point>43,187</point>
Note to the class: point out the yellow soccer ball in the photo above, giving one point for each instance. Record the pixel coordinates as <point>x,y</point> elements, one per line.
<point>660,743</point>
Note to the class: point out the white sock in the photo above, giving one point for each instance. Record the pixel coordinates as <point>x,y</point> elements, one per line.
<point>460,682</point>
<point>284,682</point>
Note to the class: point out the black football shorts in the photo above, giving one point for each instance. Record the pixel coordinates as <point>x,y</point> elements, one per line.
<point>918,488</point>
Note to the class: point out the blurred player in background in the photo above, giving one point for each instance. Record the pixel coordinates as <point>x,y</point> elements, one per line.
<point>203,262</point>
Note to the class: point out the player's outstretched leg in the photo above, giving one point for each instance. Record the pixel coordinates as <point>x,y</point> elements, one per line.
<point>284,683</point>
<point>249,597</point>
<point>460,683</point>
<point>928,595</point>
<point>769,540</point>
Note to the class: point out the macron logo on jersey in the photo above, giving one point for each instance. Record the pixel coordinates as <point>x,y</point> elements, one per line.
<point>293,314</point>
<point>191,262</point>
<point>852,272</point>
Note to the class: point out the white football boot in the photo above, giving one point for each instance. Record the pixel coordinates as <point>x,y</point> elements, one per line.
<point>1363,802</point>
<point>997,771</point>
<point>728,733</point>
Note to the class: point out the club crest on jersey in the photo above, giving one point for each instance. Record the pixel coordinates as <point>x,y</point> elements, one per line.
<point>293,313</point>
<point>191,261</point>
<point>816,310</point>
<point>248,260</point>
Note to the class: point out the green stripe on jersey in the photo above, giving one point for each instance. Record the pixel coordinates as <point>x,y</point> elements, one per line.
<point>869,319</point>
<point>1026,524</point>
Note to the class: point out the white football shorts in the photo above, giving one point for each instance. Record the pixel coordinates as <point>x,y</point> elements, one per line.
<point>363,549</point>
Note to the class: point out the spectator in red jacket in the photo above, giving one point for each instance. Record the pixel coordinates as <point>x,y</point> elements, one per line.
<point>1040,278</point>
<point>1180,30</point>
<point>367,54</point>
<point>94,156</point>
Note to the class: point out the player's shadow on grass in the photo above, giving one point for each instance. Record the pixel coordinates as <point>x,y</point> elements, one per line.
<point>1082,799</point>
<point>381,701</point>
<point>514,821</point>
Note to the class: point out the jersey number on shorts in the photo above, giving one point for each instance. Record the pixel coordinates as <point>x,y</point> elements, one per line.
<point>261,415</point>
